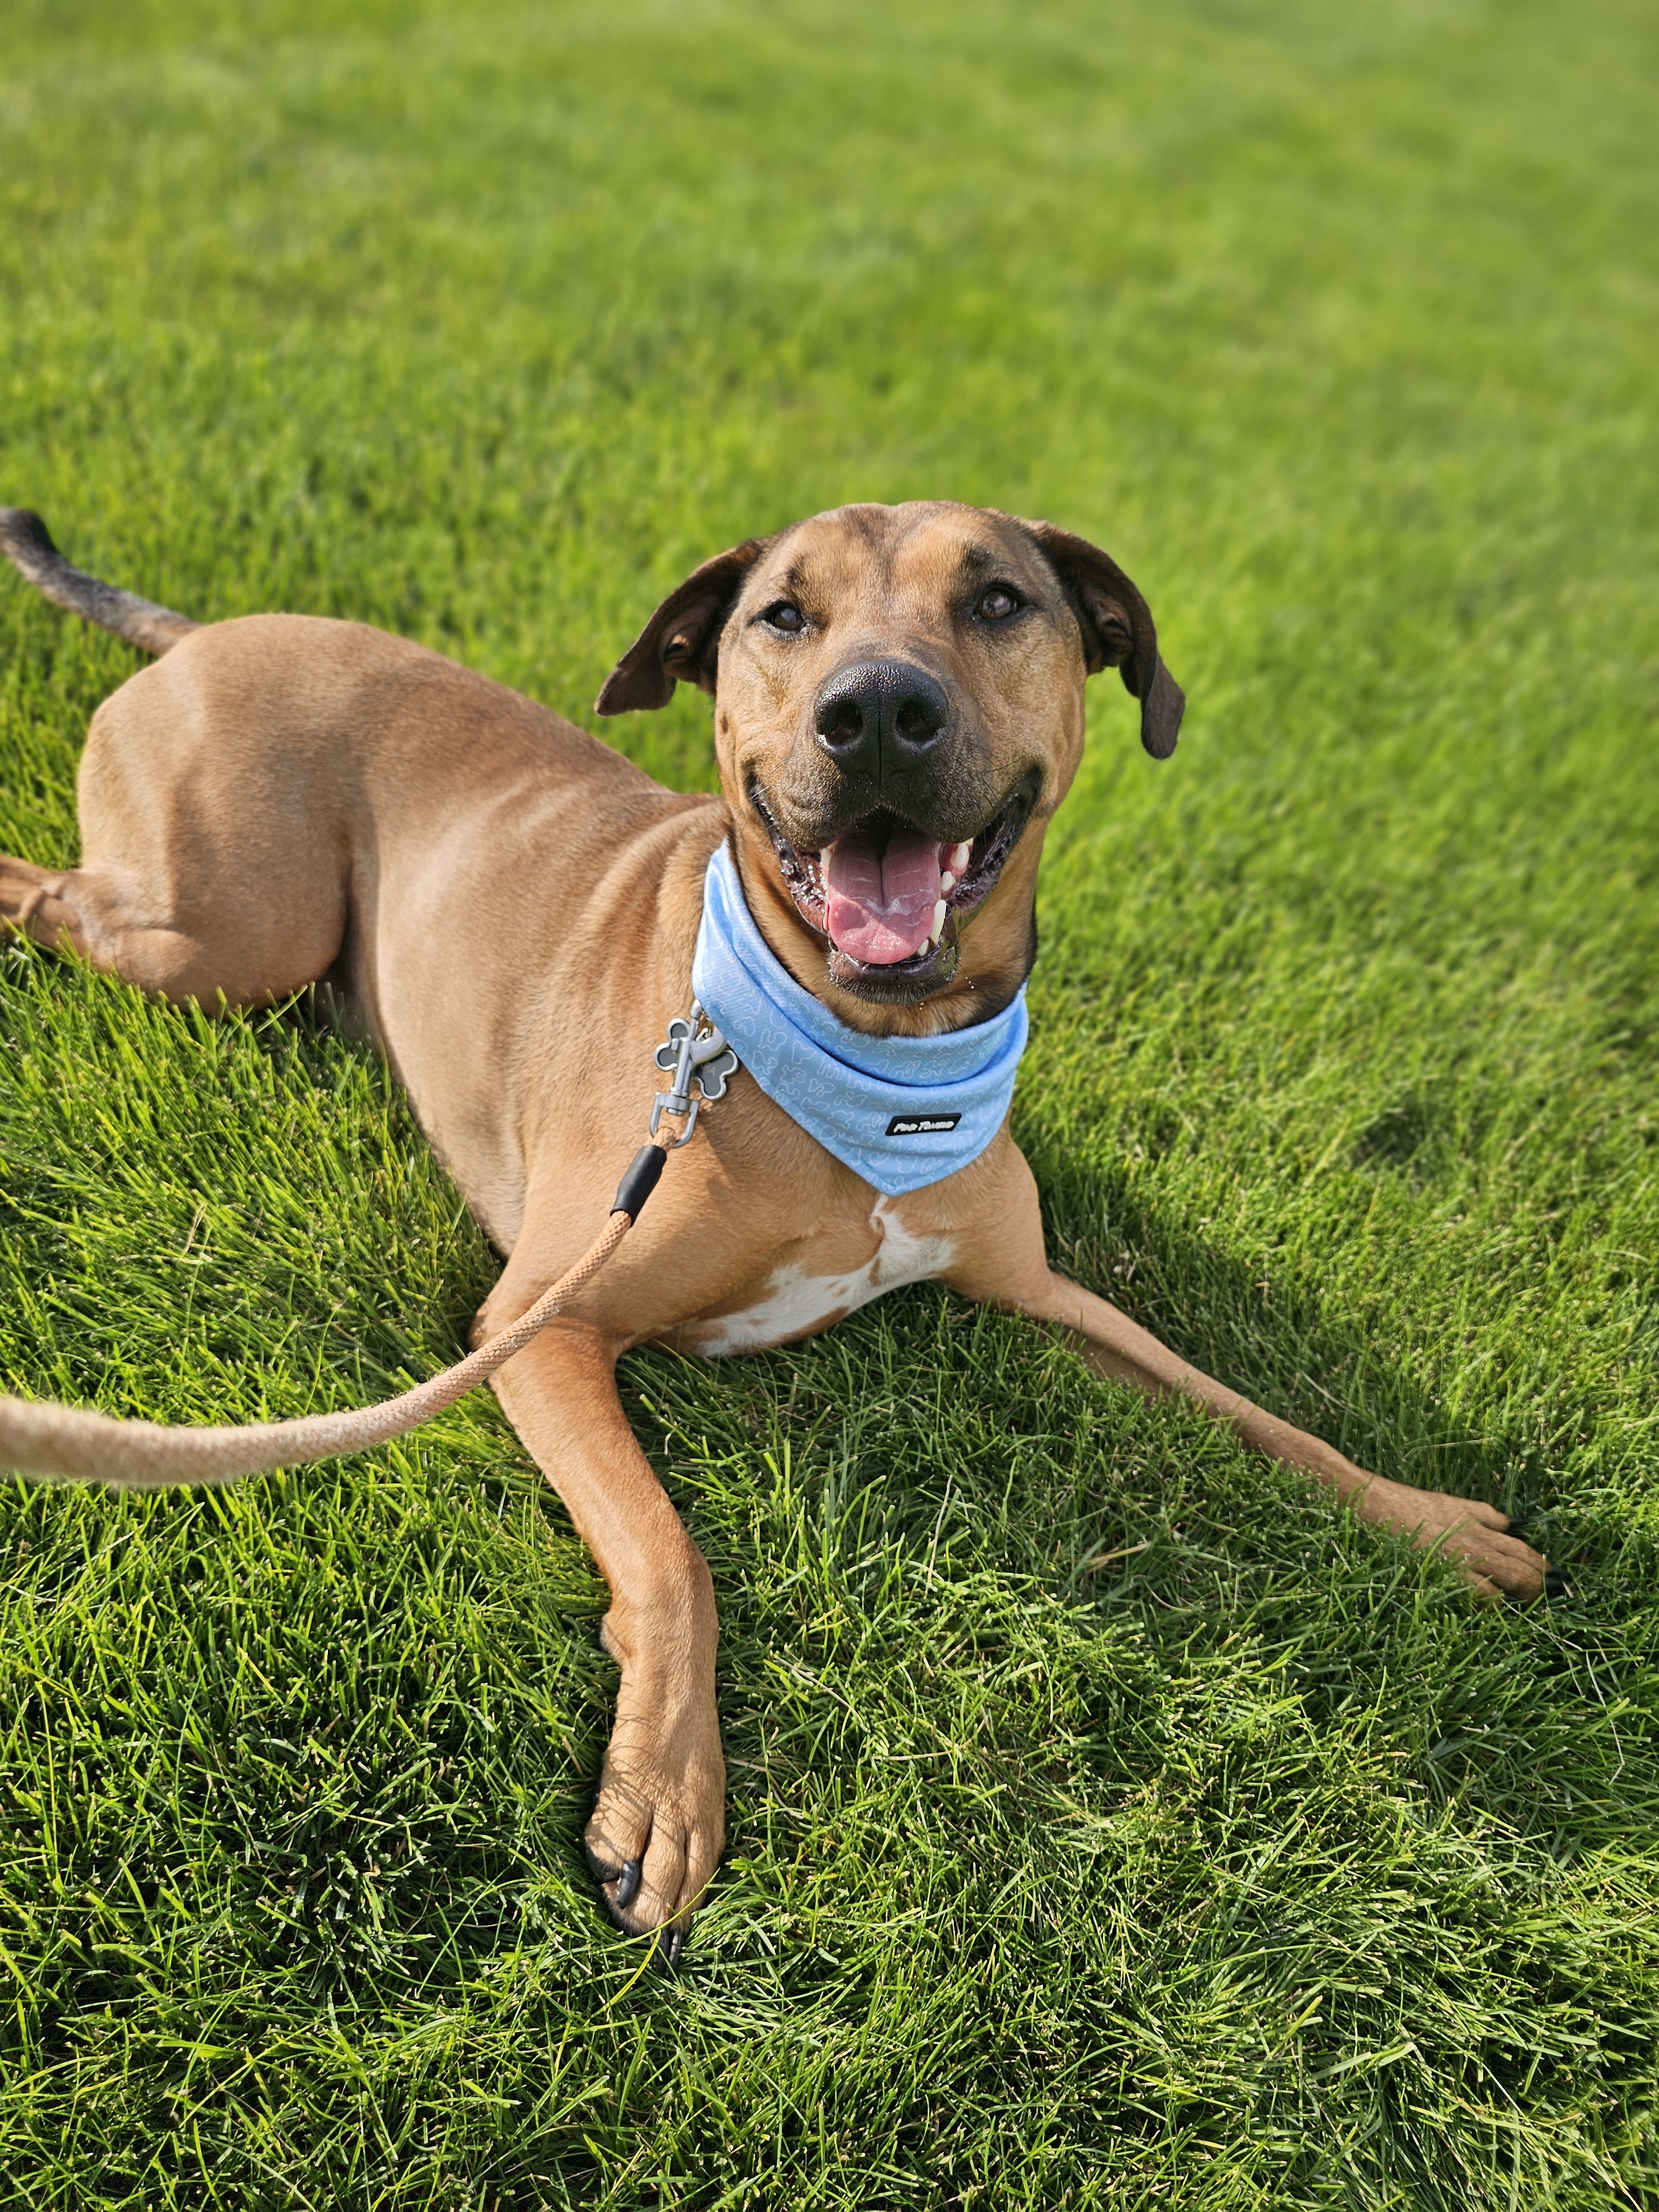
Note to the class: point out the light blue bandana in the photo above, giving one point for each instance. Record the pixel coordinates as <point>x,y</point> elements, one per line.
<point>900,1111</point>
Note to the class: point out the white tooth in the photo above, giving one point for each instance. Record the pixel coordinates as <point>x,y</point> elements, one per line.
<point>947,881</point>
<point>938,918</point>
<point>959,857</point>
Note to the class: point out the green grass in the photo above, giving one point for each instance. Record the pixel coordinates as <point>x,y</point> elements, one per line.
<point>1254,1868</point>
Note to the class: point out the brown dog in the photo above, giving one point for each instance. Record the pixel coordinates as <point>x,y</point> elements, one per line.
<point>512,909</point>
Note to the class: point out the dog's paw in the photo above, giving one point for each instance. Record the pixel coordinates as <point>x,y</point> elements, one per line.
<point>658,1823</point>
<point>1480,1539</point>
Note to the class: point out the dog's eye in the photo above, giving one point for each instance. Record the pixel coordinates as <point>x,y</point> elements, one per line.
<point>784,614</point>
<point>999,603</point>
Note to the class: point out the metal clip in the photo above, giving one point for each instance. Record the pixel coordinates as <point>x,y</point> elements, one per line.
<point>706,1060</point>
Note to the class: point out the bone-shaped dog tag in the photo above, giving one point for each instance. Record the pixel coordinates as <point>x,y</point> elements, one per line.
<point>708,1058</point>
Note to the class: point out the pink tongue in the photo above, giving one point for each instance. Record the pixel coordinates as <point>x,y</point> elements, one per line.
<point>881,904</point>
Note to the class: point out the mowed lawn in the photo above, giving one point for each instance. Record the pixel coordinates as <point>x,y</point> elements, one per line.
<point>1111,1823</point>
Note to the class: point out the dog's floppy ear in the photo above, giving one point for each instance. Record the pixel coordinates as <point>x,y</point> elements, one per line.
<point>1118,632</point>
<point>681,643</point>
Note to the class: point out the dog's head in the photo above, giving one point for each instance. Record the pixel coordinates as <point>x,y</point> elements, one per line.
<point>899,713</point>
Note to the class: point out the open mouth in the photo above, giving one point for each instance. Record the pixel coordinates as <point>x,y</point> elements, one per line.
<point>888,897</point>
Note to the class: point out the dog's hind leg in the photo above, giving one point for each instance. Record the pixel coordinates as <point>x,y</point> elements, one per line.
<point>194,882</point>
<point>89,913</point>
<point>215,854</point>
<point>103,916</point>
<point>34,902</point>
<point>205,874</point>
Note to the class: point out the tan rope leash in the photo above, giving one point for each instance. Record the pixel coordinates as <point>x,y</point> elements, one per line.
<point>40,1438</point>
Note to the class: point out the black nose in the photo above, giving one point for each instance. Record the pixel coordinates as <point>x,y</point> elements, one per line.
<point>875,715</point>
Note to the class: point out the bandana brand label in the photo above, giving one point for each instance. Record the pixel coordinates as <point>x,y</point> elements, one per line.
<point>922,1125</point>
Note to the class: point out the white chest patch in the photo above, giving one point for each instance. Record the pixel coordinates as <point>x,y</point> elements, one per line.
<point>797,1301</point>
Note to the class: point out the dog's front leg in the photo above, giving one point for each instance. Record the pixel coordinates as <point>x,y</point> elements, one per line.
<point>1003,1263</point>
<point>659,1821</point>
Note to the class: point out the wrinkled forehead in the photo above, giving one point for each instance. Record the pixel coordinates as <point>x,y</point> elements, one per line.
<point>917,560</point>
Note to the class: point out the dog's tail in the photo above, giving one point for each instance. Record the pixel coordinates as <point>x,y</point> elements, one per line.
<point>28,542</point>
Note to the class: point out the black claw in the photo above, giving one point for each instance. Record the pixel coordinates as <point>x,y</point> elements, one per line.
<point>628,1884</point>
<point>1515,1526</point>
<point>670,1942</point>
<point>1556,1584</point>
<point>596,1867</point>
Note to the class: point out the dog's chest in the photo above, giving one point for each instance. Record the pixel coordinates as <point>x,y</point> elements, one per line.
<point>800,1300</point>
